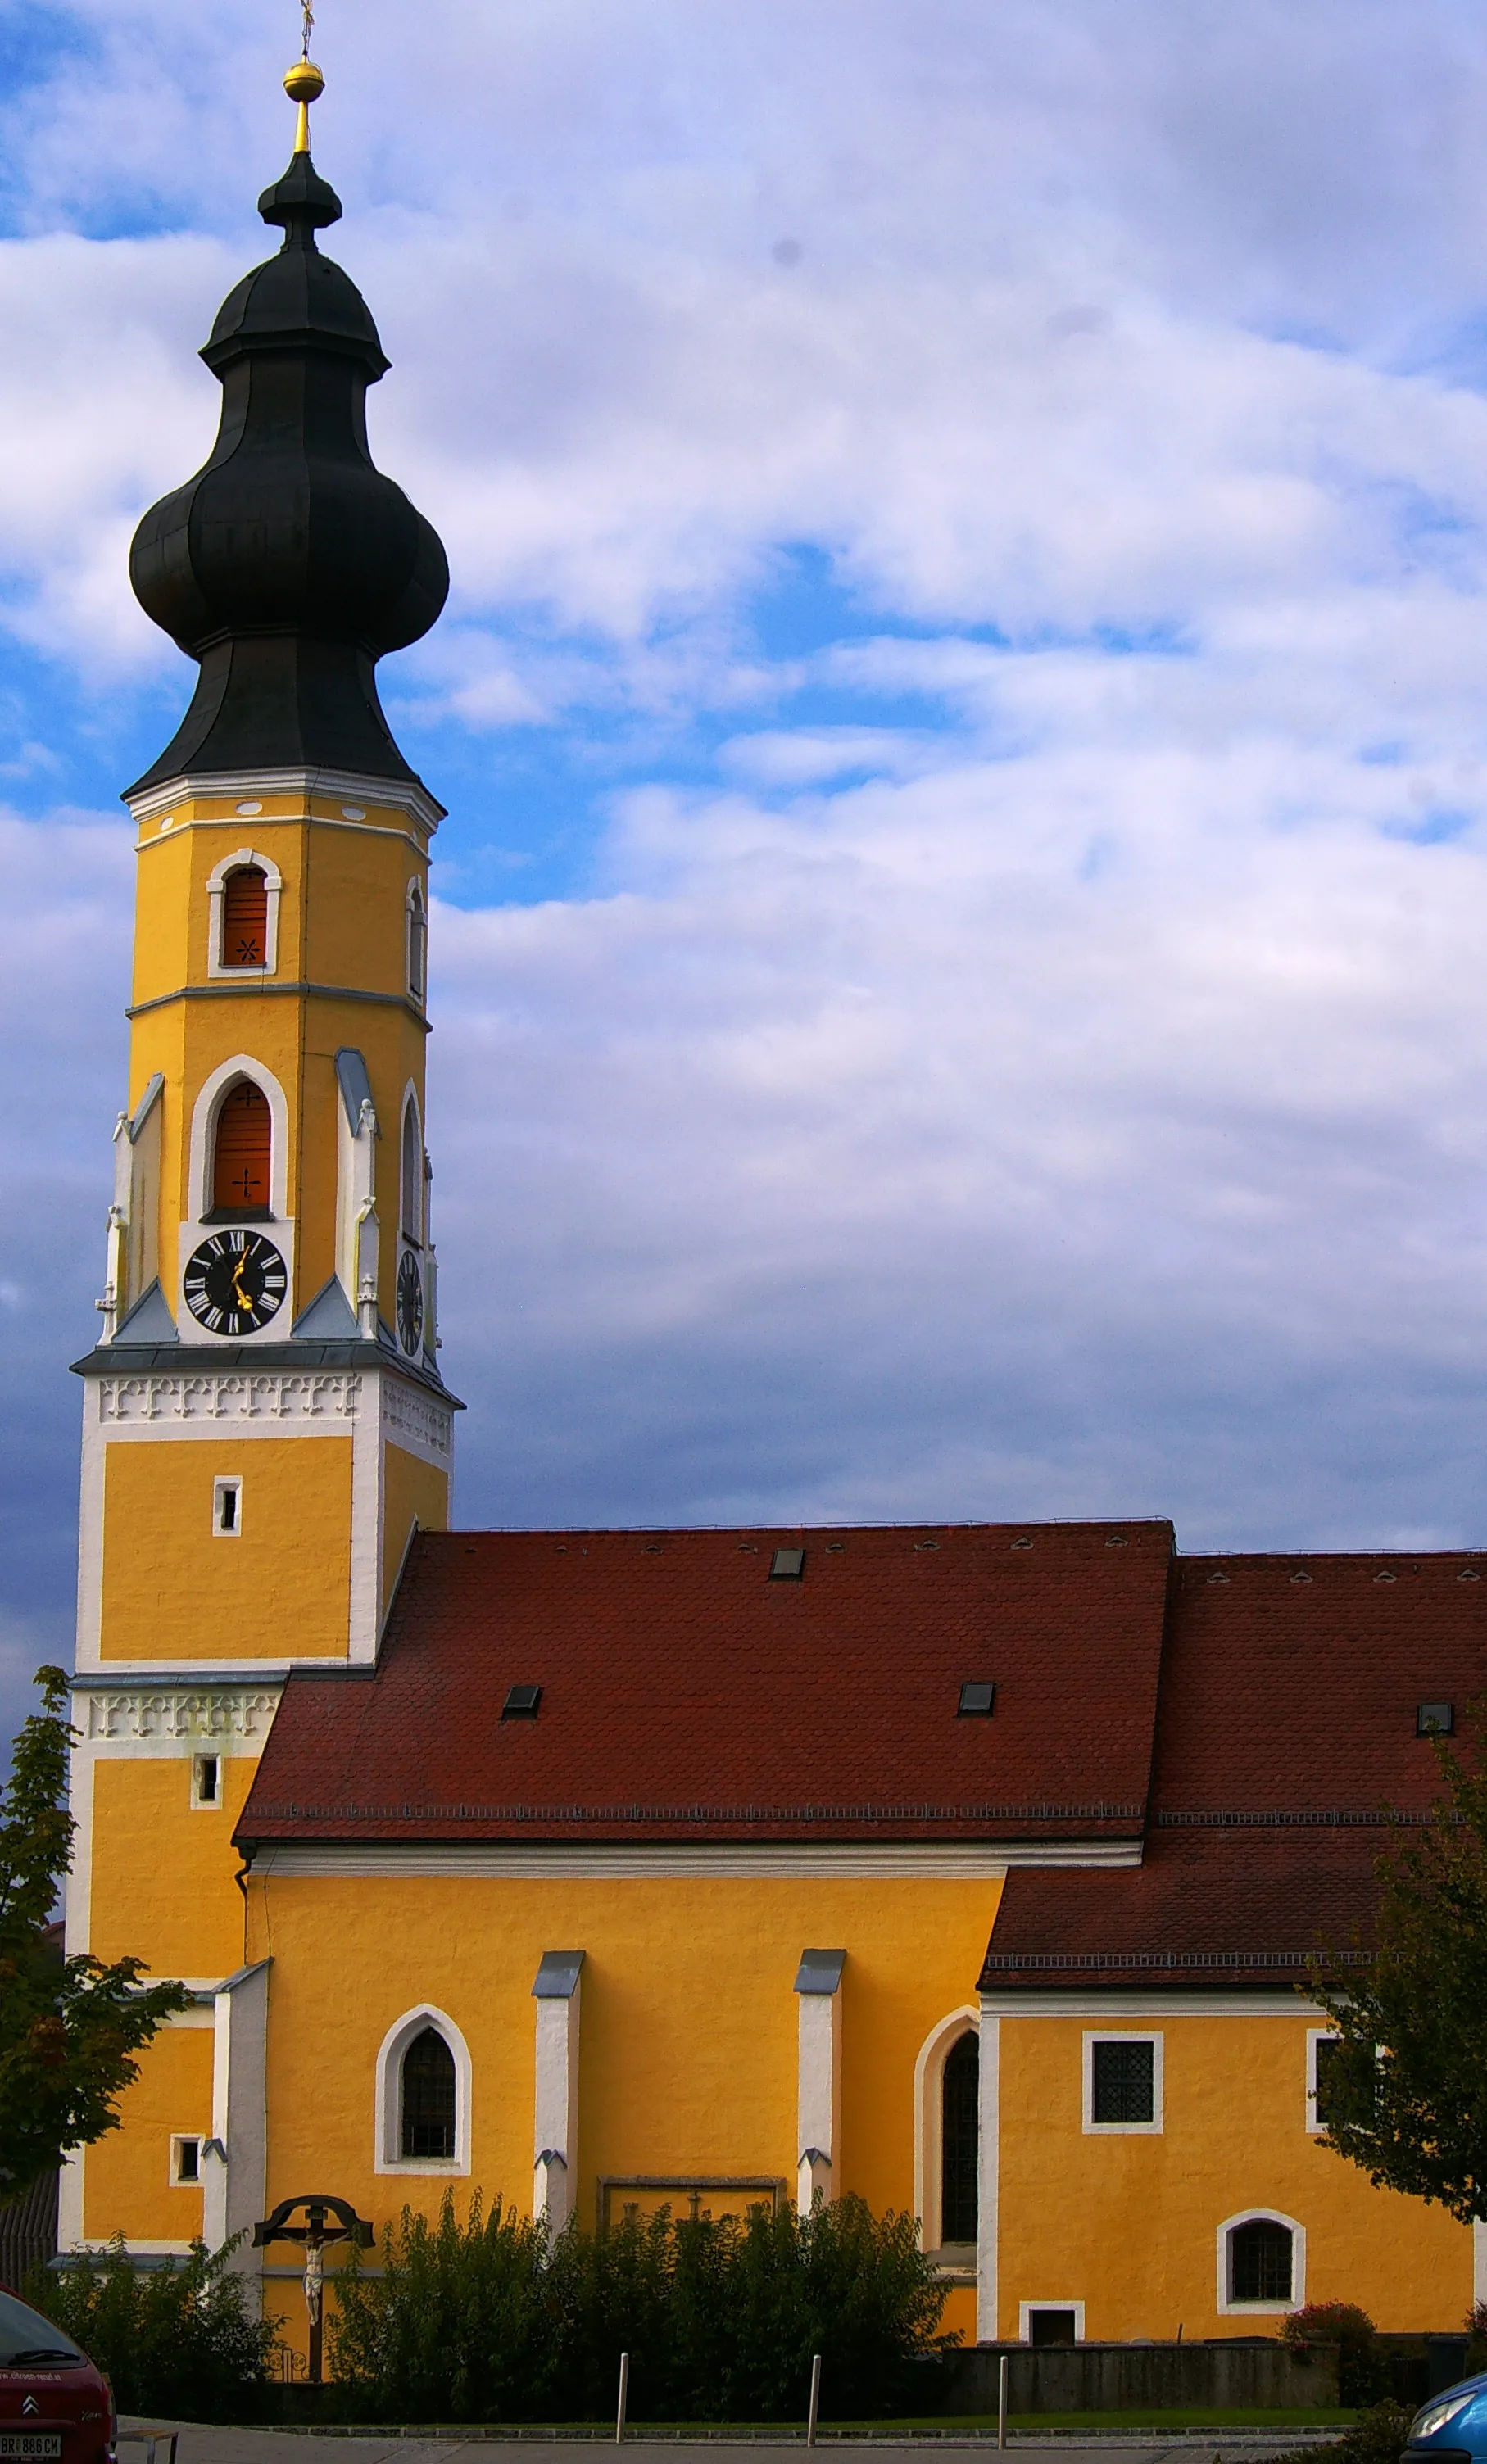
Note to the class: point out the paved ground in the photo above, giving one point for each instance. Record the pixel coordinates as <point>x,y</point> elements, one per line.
<point>202,2446</point>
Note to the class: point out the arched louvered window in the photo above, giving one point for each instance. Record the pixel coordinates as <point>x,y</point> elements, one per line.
<point>427,2093</point>
<point>960,2126</point>
<point>245,917</point>
<point>1261,2258</point>
<point>417,944</point>
<point>243,1154</point>
<point>412,1173</point>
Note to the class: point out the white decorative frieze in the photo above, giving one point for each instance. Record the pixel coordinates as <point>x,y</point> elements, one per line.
<point>268,1395</point>
<point>135,1713</point>
<point>418,1416</point>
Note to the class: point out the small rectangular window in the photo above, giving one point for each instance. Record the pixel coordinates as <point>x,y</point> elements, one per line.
<point>1325,2106</point>
<point>1435,1720</point>
<point>226,1509</point>
<point>521,1703</point>
<point>1050,2327</point>
<point>206,1780</point>
<point>786,1565</point>
<point>978,1699</point>
<point>186,2161</point>
<point>1122,2082</point>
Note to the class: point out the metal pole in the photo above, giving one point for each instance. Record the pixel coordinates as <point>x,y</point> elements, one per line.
<point>623,2399</point>
<point>1001,2401</point>
<point>813,2415</point>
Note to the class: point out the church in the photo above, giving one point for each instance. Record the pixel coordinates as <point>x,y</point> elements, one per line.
<point>974,1869</point>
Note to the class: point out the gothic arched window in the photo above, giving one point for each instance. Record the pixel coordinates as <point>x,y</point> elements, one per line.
<point>417,945</point>
<point>245,917</point>
<point>242,1154</point>
<point>427,2098</point>
<point>960,2129</point>
<point>412,1173</point>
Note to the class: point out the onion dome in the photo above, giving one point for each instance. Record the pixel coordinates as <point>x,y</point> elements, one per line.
<point>289,565</point>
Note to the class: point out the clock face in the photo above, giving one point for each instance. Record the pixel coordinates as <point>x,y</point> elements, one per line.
<point>234,1282</point>
<point>409,1303</point>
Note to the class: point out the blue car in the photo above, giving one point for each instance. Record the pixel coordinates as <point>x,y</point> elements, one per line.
<point>1453,2424</point>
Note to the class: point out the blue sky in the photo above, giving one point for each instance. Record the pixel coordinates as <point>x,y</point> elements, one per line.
<point>958,966</point>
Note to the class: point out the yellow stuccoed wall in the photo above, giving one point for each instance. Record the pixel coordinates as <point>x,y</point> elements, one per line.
<point>174,1591</point>
<point>162,1891</point>
<point>126,2175</point>
<point>688,2030</point>
<point>1234,2138</point>
<point>412,1490</point>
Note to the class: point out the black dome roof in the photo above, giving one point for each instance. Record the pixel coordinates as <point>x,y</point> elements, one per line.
<point>289,565</point>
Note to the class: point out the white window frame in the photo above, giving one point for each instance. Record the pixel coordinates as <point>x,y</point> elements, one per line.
<point>1152,2037</point>
<point>180,2139</point>
<point>204,1137</point>
<point>417,907</point>
<point>1025,2310</point>
<point>1228,2309</point>
<point>209,1804</point>
<point>388,2103</point>
<point>929,2123</point>
<point>216,891</point>
<point>229,1482</point>
<point>1315,2036</point>
<point>420,1206</point>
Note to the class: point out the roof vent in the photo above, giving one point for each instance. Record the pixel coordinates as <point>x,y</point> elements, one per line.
<point>1022,1543</point>
<point>786,1565</point>
<point>520,1703</point>
<point>978,1699</point>
<point>1385,1577</point>
<point>1116,1540</point>
<point>1469,1574</point>
<point>1435,1720</point>
<point>927,1544</point>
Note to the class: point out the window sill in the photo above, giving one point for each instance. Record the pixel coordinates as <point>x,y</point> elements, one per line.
<point>237,1215</point>
<point>426,2165</point>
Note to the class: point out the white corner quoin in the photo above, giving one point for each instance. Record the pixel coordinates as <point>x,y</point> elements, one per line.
<point>818,2115</point>
<point>556,1990</point>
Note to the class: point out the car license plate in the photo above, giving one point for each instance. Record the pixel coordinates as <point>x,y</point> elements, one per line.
<point>30,2445</point>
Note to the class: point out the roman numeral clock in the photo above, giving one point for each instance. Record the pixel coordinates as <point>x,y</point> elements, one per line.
<point>234,1283</point>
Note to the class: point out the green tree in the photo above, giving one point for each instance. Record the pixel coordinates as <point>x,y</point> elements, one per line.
<point>1406,2083</point>
<point>69,2029</point>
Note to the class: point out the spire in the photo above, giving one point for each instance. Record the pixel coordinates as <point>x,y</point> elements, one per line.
<point>289,566</point>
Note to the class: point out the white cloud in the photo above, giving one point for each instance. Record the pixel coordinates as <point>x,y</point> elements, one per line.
<point>1034,1064</point>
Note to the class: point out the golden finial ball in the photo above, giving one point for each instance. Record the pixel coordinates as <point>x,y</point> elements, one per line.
<point>304,82</point>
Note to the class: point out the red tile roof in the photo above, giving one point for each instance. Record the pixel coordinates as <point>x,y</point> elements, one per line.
<point>688,1696</point>
<point>1287,1724</point>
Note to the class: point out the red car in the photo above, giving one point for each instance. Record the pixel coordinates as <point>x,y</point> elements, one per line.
<point>55,2406</point>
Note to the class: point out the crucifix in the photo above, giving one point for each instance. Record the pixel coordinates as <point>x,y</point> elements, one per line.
<point>313,2237</point>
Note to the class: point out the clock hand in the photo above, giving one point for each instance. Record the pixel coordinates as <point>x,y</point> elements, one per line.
<point>244,1299</point>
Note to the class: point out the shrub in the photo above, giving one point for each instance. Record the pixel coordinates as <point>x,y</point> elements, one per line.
<point>488,2321</point>
<point>457,2327</point>
<point>173,2340</point>
<point>1363,2367</point>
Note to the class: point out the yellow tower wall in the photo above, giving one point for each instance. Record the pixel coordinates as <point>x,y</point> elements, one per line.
<point>174,1590</point>
<point>414,1492</point>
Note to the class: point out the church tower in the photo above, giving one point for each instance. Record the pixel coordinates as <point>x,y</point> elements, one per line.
<point>265,1425</point>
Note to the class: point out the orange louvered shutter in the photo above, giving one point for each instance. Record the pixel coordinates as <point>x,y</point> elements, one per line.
<point>244,918</point>
<point>240,1177</point>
